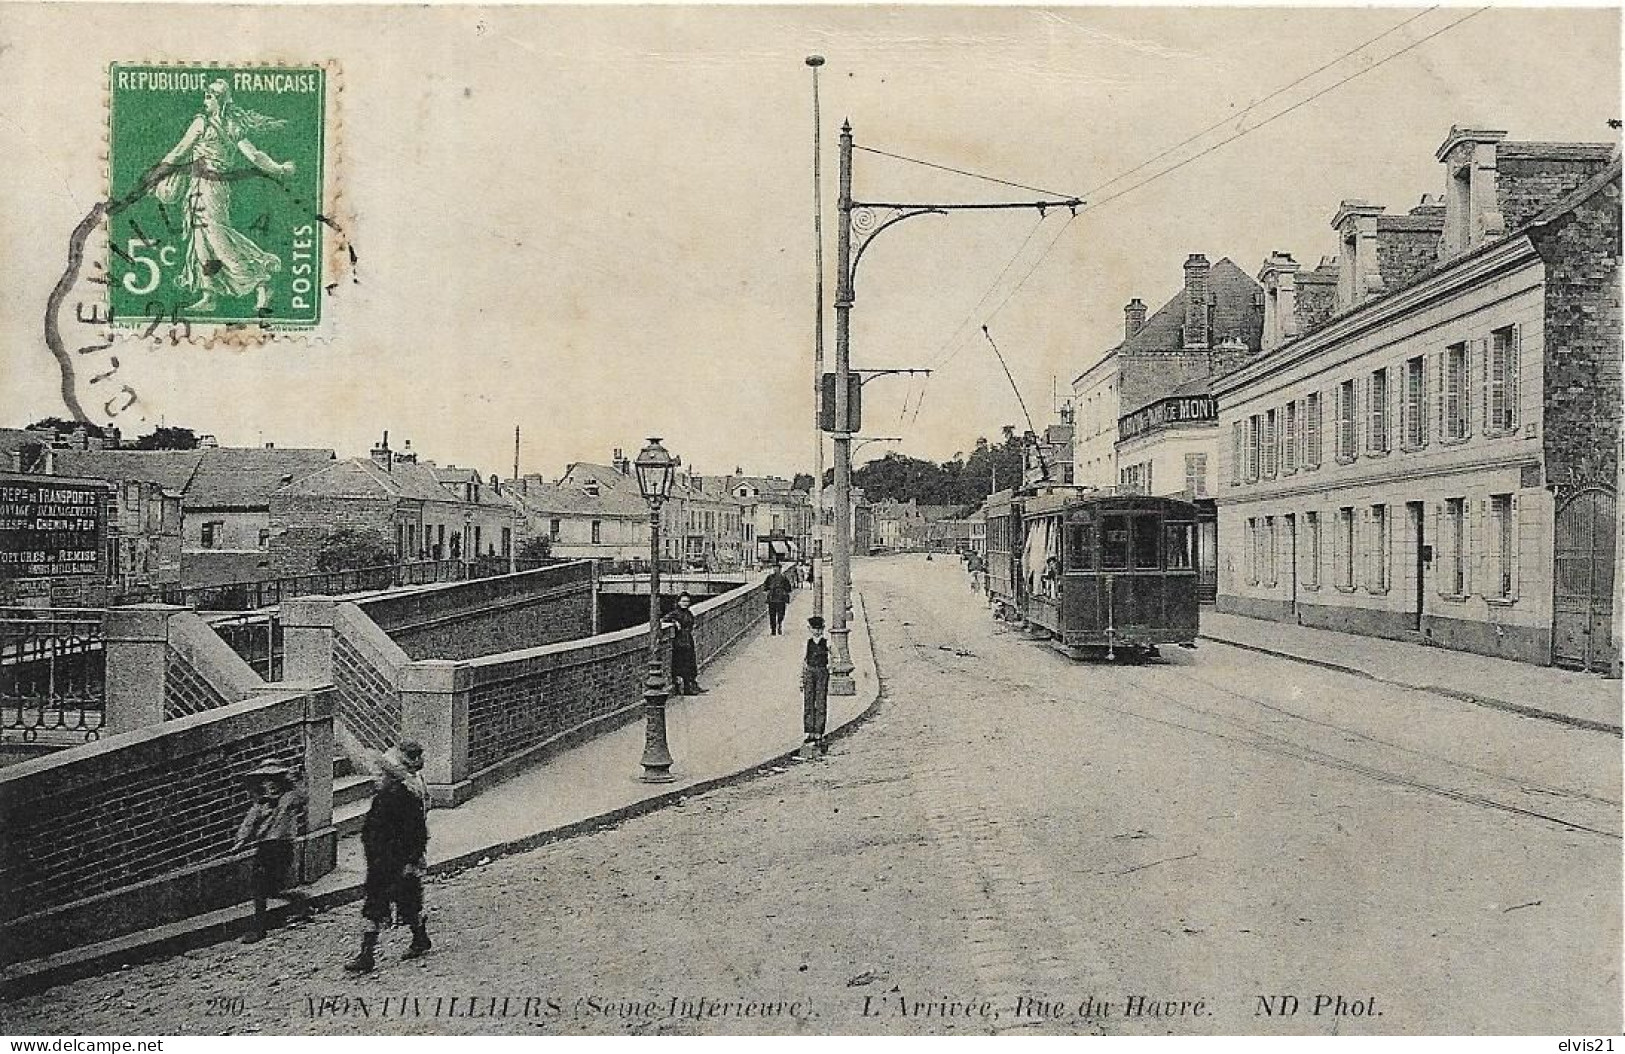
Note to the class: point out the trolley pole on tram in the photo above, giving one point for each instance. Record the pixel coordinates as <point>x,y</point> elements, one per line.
<point>877,217</point>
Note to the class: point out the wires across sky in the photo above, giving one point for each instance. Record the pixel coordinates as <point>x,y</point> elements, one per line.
<point>1125,183</point>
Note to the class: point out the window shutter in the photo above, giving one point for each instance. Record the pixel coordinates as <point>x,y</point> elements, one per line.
<point>1439,554</point>
<point>1476,350</point>
<point>1475,512</point>
<point>1370,434</point>
<point>1439,393</point>
<point>1514,355</point>
<point>1514,533</point>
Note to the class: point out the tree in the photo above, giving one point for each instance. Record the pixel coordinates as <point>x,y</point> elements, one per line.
<point>349,548</point>
<point>536,547</point>
<point>803,482</point>
<point>61,426</point>
<point>168,438</point>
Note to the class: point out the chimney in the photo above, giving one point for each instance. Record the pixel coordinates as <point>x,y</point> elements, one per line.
<point>1196,301</point>
<point>622,465</point>
<point>1133,317</point>
<point>1359,274</point>
<point>381,455</point>
<point>1278,276</point>
<point>407,456</point>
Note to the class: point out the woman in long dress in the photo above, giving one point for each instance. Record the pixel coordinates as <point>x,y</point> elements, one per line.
<point>220,260</point>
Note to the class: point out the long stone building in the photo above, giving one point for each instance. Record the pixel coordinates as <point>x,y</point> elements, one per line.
<point>1437,459</point>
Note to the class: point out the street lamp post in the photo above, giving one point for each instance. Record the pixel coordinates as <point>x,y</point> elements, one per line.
<point>656,470</point>
<point>816,536</point>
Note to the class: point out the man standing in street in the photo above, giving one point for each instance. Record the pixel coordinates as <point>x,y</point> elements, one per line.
<point>778,598</point>
<point>395,838</point>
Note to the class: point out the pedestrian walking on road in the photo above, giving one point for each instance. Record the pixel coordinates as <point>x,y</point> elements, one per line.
<point>778,598</point>
<point>815,689</point>
<point>279,815</point>
<point>685,667</point>
<point>395,838</point>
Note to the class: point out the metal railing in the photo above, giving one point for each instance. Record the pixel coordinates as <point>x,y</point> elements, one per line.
<point>53,672</point>
<point>257,640</point>
<point>268,592</point>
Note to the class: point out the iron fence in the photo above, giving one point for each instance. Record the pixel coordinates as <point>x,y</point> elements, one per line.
<point>268,592</point>
<point>257,640</point>
<point>53,672</point>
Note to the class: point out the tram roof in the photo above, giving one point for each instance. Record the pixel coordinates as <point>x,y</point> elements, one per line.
<point>1045,504</point>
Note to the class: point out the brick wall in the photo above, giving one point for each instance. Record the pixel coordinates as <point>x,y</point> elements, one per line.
<point>719,622</point>
<point>1403,256</point>
<point>186,691</point>
<point>521,704</point>
<point>487,616</point>
<point>130,831</point>
<point>1526,186</point>
<point>1315,300</point>
<point>300,523</point>
<point>1582,330</point>
<point>516,705</point>
<point>366,675</point>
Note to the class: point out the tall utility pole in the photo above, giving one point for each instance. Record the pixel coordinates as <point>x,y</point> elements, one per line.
<point>840,660</point>
<point>816,536</point>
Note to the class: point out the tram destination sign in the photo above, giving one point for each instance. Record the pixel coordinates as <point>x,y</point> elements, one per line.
<point>50,528</point>
<point>1177,410</point>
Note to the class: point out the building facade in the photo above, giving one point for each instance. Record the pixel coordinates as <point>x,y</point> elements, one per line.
<point>583,522</point>
<point>1212,325</point>
<point>1437,460</point>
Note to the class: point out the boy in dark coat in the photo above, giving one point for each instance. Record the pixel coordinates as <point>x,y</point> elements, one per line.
<point>272,826</point>
<point>815,689</point>
<point>395,837</point>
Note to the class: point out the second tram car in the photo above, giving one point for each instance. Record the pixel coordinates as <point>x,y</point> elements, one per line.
<point>1096,572</point>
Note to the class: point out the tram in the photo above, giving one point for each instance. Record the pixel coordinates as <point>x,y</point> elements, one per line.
<point>1095,572</point>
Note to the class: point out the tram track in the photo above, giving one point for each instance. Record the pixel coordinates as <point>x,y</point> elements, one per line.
<point>1596,816</point>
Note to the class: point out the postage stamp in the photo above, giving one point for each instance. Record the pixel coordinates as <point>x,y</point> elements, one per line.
<point>216,196</point>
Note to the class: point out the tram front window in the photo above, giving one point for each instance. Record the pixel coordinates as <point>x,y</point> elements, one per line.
<point>1145,543</point>
<point>1114,547</point>
<point>1080,547</point>
<point>1181,545</point>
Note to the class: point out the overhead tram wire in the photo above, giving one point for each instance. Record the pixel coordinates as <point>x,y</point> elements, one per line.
<point>1230,139</point>
<point>1178,165</point>
<point>1221,122</point>
<point>1277,116</point>
<point>961,171</point>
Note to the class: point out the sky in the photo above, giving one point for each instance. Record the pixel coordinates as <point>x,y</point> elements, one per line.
<point>597,223</point>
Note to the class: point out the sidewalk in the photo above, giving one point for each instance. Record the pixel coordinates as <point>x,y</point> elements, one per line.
<point>749,720</point>
<point>1585,700</point>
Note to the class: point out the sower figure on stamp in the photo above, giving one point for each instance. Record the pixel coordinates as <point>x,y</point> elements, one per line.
<point>219,258</point>
<point>778,598</point>
<point>685,666</point>
<point>395,837</point>
<point>272,826</point>
<point>815,689</point>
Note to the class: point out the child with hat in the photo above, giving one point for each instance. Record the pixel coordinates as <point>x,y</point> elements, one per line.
<point>275,820</point>
<point>815,689</point>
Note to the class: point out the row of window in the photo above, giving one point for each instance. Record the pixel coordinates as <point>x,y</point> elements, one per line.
<point>1136,479</point>
<point>1126,541</point>
<point>1474,547</point>
<point>1283,440</point>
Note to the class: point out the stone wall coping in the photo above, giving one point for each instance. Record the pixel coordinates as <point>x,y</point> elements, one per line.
<point>493,588</point>
<point>128,752</point>
<point>366,636</point>
<point>503,665</point>
<point>211,657</point>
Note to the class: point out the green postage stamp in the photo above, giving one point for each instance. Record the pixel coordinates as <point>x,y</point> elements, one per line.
<point>215,211</point>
